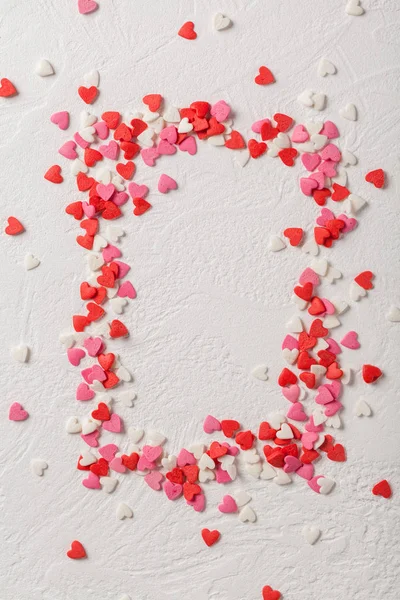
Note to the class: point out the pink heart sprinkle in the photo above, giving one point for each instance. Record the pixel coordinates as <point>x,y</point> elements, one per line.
<point>92,481</point>
<point>292,463</point>
<point>120,198</point>
<point>123,268</point>
<point>330,130</point>
<point>93,345</point>
<point>306,471</point>
<point>256,127</point>
<point>80,141</point>
<point>332,408</point>
<point>329,307</point>
<point>144,464</point>
<point>102,130</point>
<point>290,342</point>
<point>296,412</point>
<point>105,191</point>
<point>189,145</point>
<point>222,476</point>
<point>170,134</point>
<point>91,438</point>
<point>114,424</point>
<point>291,392</point>
<point>68,150</point>
<point>228,505</point>
<point>307,185</point>
<point>138,191</point>
<point>87,6</point>
<point>172,490</point>
<point>198,502</point>
<point>83,392</point>
<point>312,427</point>
<point>108,451</point>
<point>220,110</point>
<point>211,424</point>
<point>333,346</point>
<point>300,135</point>
<point>326,215</point>
<point>331,152</point>
<point>164,147</point>
<point>126,290</point>
<point>233,451</point>
<point>17,413</point>
<point>308,439</point>
<point>328,168</point>
<point>110,252</point>
<point>335,387</point>
<point>310,161</point>
<point>117,465</point>
<point>154,480</point>
<point>319,178</point>
<point>350,340</point>
<point>309,276</point>
<point>61,119</point>
<point>324,396</point>
<point>349,223</point>
<point>88,209</point>
<point>313,483</point>
<point>166,183</point>
<point>152,452</point>
<point>110,150</point>
<point>149,156</point>
<point>185,458</point>
<point>75,355</point>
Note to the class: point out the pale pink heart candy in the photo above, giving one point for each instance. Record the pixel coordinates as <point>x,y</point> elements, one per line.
<point>172,490</point>
<point>126,290</point>
<point>93,345</point>
<point>87,6</point>
<point>198,502</point>
<point>75,355</point>
<point>61,119</point>
<point>101,129</point>
<point>188,145</point>
<point>220,110</point>
<point>114,424</point>
<point>149,156</point>
<point>335,387</point>
<point>330,130</point>
<point>292,463</point>
<point>185,458</point>
<point>68,150</point>
<point>290,342</point>
<point>308,439</point>
<point>300,135</point>
<point>164,147</point>
<point>117,465</point>
<point>330,309</point>
<point>170,134</point>
<point>152,452</point>
<point>306,471</point>
<point>326,215</point>
<point>328,168</point>
<point>144,464</point>
<point>222,476</point>
<point>332,408</point>
<point>296,412</point>
<point>110,150</point>
<point>228,505</point>
<point>93,373</point>
<point>324,396</point>
<point>91,438</point>
<point>108,451</point>
<point>120,198</point>
<point>319,178</point>
<point>312,427</point>
<point>310,161</point>
<point>291,392</point>
<point>233,451</point>
<point>80,141</point>
<point>331,152</point>
<point>105,191</point>
<point>138,191</point>
<point>92,481</point>
<point>88,209</point>
<point>211,424</point>
<point>307,185</point>
<point>154,480</point>
<point>349,223</point>
<point>333,346</point>
<point>166,183</point>
<point>309,276</point>
<point>110,252</point>
<point>313,483</point>
<point>123,268</point>
<point>256,127</point>
<point>17,413</point>
<point>83,392</point>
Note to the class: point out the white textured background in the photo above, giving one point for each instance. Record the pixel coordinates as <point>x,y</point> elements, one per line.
<point>212,301</point>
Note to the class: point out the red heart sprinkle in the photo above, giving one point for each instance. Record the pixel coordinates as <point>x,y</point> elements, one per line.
<point>304,291</point>
<point>266,432</point>
<point>126,171</point>
<point>294,235</point>
<point>111,118</point>
<point>118,329</point>
<point>88,95</point>
<point>7,88</point>
<point>264,76</point>
<point>371,373</point>
<point>245,439</point>
<point>54,174</point>
<point>321,234</point>
<point>229,426</point>
<point>337,453</point>
<point>87,291</point>
<point>141,206</point>
<point>216,450</point>
<point>123,133</point>
<point>84,182</point>
<point>308,379</point>
<point>235,142</point>
<point>75,209</point>
<point>270,594</point>
<point>201,108</point>
<point>317,329</point>
<point>95,312</point>
<point>210,537</point>
<point>76,551</point>
<point>287,156</point>
<point>286,377</point>
<point>101,413</point>
<point>187,31</point>
<point>100,468</point>
<point>382,489</point>
<point>268,132</point>
<point>376,177</point>
<point>91,157</point>
<point>256,149</point>
<point>340,192</point>
<point>106,360</point>
<point>364,279</point>
<point>14,226</point>
<point>153,101</point>
<point>283,122</point>
<point>131,461</point>
<point>321,196</point>
<point>138,126</point>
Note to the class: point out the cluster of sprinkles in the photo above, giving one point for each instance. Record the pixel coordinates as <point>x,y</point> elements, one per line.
<point>284,445</point>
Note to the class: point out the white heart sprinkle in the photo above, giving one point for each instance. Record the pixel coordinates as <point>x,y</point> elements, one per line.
<point>348,158</point>
<point>310,247</point>
<point>124,512</point>
<point>285,432</point>
<point>87,458</point>
<point>260,372</point>
<point>354,8</point>
<point>247,514</point>
<point>241,158</point>
<point>394,314</point>
<point>326,485</point>
<point>92,78</point>
<point>169,462</point>
<point>171,115</point>
<point>349,112</point>
<point>108,484</point>
<point>135,435</point>
<point>184,126</point>
<point>123,374</point>
<point>320,266</point>
<point>206,462</point>
<point>44,68</point>
<point>155,437</point>
<point>356,291</point>
<point>333,274</point>
<point>295,325</point>
<point>311,533</point>
<point>31,262</point>
<point>114,233</point>
<point>221,22</point>
<point>73,425</point>
<point>290,355</point>
<point>276,244</point>
<point>99,243</point>
<point>276,420</point>
<point>206,475</point>
<point>118,304</point>
<point>268,472</point>
<point>20,353</point>
<point>282,478</point>
<point>306,98</point>
<point>242,498</point>
<point>326,67</point>
<point>197,450</point>
<point>319,101</point>
<point>254,469</point>
<point>38,466</point>
<point>362,409</point>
